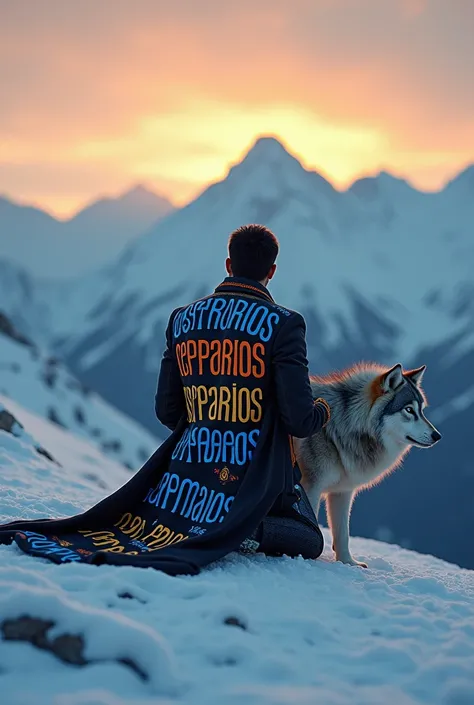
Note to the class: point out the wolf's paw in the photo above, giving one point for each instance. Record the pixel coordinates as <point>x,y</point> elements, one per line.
<point>348,560</point>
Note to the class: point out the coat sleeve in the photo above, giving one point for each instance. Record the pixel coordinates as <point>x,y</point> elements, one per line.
<point>301,415</point>
<point>170,403</point>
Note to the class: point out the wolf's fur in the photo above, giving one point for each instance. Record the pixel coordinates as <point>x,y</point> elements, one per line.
<point>365,439</point>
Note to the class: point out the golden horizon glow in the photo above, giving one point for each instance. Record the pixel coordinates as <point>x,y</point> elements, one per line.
<point>171,97</point>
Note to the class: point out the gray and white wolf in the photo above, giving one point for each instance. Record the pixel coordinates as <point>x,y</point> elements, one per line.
<point>377,415</point>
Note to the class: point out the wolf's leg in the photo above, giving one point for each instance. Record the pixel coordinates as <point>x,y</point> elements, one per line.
<point>314,496</point>
<point>338,506</point>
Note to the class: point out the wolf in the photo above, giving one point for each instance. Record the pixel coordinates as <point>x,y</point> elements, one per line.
<point>377,415</point>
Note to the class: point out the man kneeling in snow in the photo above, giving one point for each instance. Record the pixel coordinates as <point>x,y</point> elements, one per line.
<point>235,368</point>
<point>234,389</point>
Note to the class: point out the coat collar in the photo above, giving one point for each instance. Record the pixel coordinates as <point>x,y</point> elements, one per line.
<point>240,285</point>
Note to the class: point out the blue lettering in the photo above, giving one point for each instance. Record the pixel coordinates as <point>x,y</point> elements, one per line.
<point>161,488</point>
<point>227,315</point>
<point>264,311</point>
<point>206,508</point>
<point>203,306</point>
<point>218,498</point>
<point>241,453</point>
<point>253,437</point>
<point>240,307</point>
<point>228,443</point>
<point>192,486</point>
<point>172,488</point>
<point>273,317</point>
<point>227,506</point>
<point>199,505</point>
<point>217,306</point>
<point>204,436</point>
<point>250,309</point>
<point>177,324</point>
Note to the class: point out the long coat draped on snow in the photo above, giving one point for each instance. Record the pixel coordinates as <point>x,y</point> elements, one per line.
<point>233,388</point>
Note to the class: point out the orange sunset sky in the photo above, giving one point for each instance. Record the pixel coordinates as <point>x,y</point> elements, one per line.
<point>97,95</point>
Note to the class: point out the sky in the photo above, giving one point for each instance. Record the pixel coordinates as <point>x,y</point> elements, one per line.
<point>96,96</point>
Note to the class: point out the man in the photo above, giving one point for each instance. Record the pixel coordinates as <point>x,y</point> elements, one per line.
<point>235,368</point>
<point>234,388</point>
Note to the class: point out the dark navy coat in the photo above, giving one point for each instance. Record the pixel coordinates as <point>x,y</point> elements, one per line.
<point>233,388</point>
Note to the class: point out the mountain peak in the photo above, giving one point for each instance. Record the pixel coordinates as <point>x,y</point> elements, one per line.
<point>269,154</point>
<point>464,180</point>
<point>383,183</point>
<point>138,197</point>
<point>139,191</point>
<point>268,146</point>
<point>267,149</point>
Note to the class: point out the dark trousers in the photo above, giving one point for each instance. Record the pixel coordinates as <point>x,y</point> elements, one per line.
<point>295,534</point>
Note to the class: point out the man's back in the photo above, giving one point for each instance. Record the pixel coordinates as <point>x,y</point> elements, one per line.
<point>234,387</point>
<point>231,357</point>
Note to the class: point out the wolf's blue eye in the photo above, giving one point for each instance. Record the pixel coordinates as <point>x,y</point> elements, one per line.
<point>410,410</point>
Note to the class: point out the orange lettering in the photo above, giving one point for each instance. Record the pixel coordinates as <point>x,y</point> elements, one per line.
<point>258,347</point>
<point>192,354</point>
<point>215,357</point>
<point>227,348</point>
<point>202,345</point>
<point>248,353</point>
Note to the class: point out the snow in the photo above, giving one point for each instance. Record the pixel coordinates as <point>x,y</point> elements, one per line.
<point>44,385</point>
<point>249,629</point>
<point>92,471</point>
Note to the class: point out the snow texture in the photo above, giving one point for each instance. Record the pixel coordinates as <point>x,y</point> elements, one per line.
<point>43,385</point>
<point>253,630</point>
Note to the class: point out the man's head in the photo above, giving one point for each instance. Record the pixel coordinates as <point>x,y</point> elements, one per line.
<point>253,250</point>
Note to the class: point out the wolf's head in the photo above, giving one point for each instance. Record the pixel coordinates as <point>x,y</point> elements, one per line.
<point>401,405</point>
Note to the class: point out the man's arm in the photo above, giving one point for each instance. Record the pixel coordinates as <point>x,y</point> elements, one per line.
<point>170,404</point>
<point>301,415</point>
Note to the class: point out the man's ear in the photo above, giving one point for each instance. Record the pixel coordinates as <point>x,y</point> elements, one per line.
<point>228,267</point>
<point>392,379</point>
<point>271,272</point>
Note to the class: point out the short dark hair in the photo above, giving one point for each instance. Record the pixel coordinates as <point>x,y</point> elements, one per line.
<point>252,251</point>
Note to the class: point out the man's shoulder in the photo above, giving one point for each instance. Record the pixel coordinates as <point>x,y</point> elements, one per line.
<point>285,311</point>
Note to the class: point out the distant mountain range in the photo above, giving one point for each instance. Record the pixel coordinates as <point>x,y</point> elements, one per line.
<point>381,271</point>
<point>48,247</point>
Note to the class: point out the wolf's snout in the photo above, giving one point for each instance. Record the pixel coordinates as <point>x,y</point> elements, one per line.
<point>436,436</point>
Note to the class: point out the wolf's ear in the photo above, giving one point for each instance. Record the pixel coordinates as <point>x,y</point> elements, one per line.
<point>393,379</point>
<point>416,376</point>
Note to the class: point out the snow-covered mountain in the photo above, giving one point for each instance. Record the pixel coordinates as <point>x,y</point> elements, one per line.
<point>40,383</point>
<point>48,247</point>
<point>380,271</point>
<point>248,629</point>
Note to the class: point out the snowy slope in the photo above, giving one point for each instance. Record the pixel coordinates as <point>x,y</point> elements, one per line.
<point>254,630</point>
<point>42,384</point>
<point>47,247</point>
